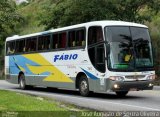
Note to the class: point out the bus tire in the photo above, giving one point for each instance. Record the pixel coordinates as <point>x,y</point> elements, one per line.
<point>22,82</point>
<point>84,86</point>
<point>121,93</point>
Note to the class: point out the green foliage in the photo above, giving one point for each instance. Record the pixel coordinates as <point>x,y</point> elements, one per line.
<point>69,12</point>
<point>154,28</point>
<point>9,19</point>
<point>32,13</point>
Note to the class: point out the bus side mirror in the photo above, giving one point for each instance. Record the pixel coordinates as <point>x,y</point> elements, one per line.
<point>107,49</point>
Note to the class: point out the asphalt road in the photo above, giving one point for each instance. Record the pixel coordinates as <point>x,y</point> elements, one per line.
<point>134,101</point>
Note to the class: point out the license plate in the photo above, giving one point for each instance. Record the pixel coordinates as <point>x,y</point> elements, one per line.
<point>133,89</point>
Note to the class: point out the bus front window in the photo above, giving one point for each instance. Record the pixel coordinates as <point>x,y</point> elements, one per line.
<point>130,50</point>
<point>142,47</point>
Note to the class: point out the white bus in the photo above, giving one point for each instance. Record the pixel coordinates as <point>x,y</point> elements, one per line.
<point>99,56</point>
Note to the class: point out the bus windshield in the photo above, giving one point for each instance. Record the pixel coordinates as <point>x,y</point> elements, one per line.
<point>130,48</point>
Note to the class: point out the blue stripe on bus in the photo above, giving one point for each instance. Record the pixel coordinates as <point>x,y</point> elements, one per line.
<point>15,62</point>
<point>90,75</point>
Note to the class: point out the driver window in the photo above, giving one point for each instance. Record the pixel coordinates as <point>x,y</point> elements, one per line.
<point>96,50</point>
<point>95,35</point>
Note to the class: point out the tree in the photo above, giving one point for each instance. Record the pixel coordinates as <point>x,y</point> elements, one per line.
<point>69,12</point>
<point>9,19</point>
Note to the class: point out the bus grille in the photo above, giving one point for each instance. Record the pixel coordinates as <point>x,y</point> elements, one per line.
<point>135,77</point>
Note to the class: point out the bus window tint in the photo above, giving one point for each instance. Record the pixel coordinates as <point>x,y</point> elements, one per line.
<point>96,50</point>
<point>20,46</point>
<point>10,49</point>
<point>95,35</point>
<point>55,41</point>
<point>62,40</point>
<point>100,58</point>
<point>59,40</point>
<point>44,42</point>
<point>80,38</point>
<point>31,44</point>
<point>71,39</point>
<point>76,38</point>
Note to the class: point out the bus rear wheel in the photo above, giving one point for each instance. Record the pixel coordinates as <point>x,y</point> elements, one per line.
<point>121,93</point>
<point>83,86</point>
<point>22,82</point>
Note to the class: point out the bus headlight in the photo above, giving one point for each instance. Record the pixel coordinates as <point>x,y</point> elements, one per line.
<point>150,85</point>
<point>116,86</point>
<point>116,78</point>
<point>151,77</point>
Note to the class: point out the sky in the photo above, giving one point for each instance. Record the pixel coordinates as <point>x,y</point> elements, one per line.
<point>20,1</point>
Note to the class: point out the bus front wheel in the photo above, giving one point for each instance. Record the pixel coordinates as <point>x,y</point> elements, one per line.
<point>121,93</point>
<point>83,86</point>
<point>22,82</point>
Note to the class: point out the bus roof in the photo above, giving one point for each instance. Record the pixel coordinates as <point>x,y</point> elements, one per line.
<point>93,23</point>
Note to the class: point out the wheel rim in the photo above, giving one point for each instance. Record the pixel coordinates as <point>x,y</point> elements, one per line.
<point>21,83</point>
<point>84,86</point>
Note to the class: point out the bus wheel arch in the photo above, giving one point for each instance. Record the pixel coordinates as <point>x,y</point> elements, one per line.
<point>82,84</point>
<point>79,76</point>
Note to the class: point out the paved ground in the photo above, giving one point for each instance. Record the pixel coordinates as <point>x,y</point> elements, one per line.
<point>134,101</point>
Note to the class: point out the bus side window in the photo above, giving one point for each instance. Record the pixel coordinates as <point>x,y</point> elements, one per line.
<point>20,44</point>
<point>27,44</point>
<point>62,40</point>
<point>71,39</point>
<point>47,42</point>
<point>10,47</point>
<point>40,43</point>
<point>76,38</point>
<point>80,38</point>
<point>55,41</point>
<point>44,42</point>
<point>31,44</point>
<point>95,35</point>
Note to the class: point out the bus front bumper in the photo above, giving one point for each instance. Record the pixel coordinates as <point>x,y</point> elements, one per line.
<point>130,85</point>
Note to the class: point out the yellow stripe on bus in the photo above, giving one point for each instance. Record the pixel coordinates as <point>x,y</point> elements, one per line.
<point>21,68</point>
<point>55,74</point>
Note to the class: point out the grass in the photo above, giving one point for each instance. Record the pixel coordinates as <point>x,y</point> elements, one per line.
<point>13,103</point>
